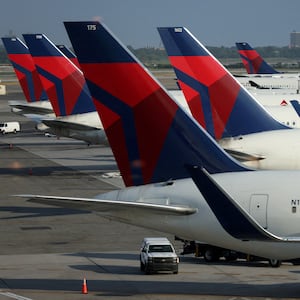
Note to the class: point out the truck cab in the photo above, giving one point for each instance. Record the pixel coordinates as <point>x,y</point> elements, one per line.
<point>158,255</point>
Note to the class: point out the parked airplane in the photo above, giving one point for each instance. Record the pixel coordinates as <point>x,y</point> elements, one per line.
<point>32,86</point>
<point>270,90</point>
<point>39,104</point>
<point>227,110</point>
<point>252,60</point>
<point>261,75</point>
<point>245,210</point>
<point>76,116</point>
<point>37,100</point>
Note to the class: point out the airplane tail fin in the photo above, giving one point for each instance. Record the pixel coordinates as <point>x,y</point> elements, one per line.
<point>252,60</point>
<point>151,137</point>
<point>216,99</point>
<point>24,68</point>
<point>62,80</point>
<point>69,54</point>
<point>296,106</point>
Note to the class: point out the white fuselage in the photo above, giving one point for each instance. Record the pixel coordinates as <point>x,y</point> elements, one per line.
<point>285,114</point>
<point>268,98</point>
<point>271,198</point>
<point>280,149</point>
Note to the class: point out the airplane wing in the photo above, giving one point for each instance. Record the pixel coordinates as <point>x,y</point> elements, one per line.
<point>98,205</point>
<point>242,156</point>
<point>232,217</point>
<point>54,123</point>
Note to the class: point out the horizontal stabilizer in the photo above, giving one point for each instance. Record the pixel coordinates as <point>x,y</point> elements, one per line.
<point>27,109</point>
<point>59,124</point>
<point>109,206</point>
<point>232,217</point>
<point>242,156</point>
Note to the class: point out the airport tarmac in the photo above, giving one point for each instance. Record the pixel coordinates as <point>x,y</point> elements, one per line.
<point>47,251</point>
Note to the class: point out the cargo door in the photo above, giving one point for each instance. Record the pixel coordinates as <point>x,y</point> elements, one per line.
<point>258,208</point>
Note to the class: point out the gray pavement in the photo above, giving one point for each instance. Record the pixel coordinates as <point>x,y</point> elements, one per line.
<point>47,251</point>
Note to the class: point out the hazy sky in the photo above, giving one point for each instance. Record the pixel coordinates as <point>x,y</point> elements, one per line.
<point>213,22</point>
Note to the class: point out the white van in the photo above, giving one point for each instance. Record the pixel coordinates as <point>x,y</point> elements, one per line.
<point>7,127</point>
<point>158,254</point>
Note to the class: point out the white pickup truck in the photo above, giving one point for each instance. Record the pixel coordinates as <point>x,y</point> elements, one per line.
<point>157,255</point>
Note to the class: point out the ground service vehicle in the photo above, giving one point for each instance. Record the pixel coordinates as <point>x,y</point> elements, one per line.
<point>7,127</point>
<point>212,253</point>
<point>158,254</point>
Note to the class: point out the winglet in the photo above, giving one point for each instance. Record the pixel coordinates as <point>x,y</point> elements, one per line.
<point>233,218</point>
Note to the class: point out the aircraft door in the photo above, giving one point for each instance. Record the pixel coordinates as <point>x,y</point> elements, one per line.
<point>258,208</point>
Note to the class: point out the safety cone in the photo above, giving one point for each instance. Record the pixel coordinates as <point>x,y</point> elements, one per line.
<point>84,289</point>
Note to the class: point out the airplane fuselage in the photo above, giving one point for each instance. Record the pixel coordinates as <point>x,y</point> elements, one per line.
<point>279,149</point>
<point>271,198</point>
